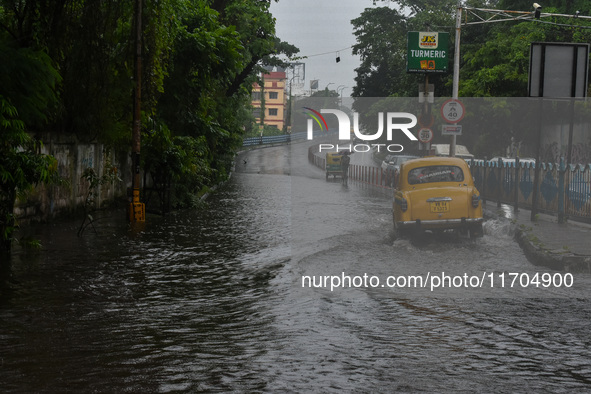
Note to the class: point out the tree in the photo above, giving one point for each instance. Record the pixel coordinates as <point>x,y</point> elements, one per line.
<point>199,60</point>
<point>21,167</point>
<point>219,51</point>
<point>91,44</point>
<point>498,66</point>
<point>27,97</point>
<point>382,43</point>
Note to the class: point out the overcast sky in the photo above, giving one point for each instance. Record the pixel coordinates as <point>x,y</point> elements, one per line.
<point>320,29</point>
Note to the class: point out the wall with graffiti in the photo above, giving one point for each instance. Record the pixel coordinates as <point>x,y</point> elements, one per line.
<point>67,197</point>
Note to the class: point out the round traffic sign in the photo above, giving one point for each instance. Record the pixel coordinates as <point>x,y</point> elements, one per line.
<point>425,135</point>
<point>453,111</point>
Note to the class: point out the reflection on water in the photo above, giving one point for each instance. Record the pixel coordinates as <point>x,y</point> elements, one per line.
<point>210,300</point>
<point>183,305</point>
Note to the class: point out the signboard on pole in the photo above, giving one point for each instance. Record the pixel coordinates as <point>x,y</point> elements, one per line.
<point>425,135</point>
<point>558,70</point>
<point>427,52</point>
<point>452,111</point>
<point>451,129</point>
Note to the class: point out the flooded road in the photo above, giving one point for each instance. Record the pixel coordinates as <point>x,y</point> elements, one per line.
<point>216,300</point>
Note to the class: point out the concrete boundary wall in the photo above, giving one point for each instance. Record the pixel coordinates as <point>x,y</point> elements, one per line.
<point>73,158</point>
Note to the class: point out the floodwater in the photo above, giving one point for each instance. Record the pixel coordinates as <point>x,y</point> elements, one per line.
<point>216,300</point>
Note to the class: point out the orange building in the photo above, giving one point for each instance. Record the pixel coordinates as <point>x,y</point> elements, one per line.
<point>275,99</point>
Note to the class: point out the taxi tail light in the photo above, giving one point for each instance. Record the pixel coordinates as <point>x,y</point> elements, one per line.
<point>475,200</point>
<point>403,204</point>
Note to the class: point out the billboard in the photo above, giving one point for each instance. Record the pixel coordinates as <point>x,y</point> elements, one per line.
<point>427,52</point>
<point>558,70</point>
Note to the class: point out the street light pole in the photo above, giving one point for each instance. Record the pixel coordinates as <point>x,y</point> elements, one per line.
<point>289,105</point>
<point>341,88</point>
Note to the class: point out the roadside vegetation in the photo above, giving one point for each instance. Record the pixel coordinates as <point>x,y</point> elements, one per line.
<point>67,66</point>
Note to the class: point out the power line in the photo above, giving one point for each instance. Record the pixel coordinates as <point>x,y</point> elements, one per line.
<point>562,24</point>
<point>328,53</point>
<point>522,16</point>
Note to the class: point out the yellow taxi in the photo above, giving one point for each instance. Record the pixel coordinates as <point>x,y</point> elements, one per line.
<point>436,193</point>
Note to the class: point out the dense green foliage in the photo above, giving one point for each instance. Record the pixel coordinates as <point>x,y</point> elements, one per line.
<point>67,66</point>
<point>21,167</point>
<point>381,34</point>
<point>494,57</point>
<point>27,81</point>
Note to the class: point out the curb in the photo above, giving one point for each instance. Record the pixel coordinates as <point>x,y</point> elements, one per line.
<point>540,256</point>
<point>558,261</point>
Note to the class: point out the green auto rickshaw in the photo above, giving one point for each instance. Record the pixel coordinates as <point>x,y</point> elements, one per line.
<point>333,164</point>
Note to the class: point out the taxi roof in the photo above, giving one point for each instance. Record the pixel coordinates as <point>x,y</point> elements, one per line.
<point>432,161</point>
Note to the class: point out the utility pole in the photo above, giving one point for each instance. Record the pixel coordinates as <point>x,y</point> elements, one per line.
<point>137,210</point>
<point>456,74</point>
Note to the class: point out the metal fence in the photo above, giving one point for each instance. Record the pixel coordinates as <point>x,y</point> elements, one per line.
<point>563,190</point>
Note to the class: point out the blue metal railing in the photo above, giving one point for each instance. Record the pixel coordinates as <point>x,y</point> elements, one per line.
<point>564,189</point>
<point>284,138</point>
<point>274,139</point>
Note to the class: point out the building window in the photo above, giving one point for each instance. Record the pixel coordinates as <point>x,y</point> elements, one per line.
<point>273,95</point>
<point>272,111</point>
<point>256,112</point>
<point>256,96</point>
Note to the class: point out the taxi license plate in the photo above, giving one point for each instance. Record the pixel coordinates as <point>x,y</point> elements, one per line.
<point>439,206</point>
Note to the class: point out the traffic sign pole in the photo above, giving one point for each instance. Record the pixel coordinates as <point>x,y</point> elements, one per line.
<point>425,135</point>
<point>427,114</point>
<point>452,111</point>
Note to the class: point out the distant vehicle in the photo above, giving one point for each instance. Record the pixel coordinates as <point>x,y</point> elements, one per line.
<point>437,193</point>
<point>443,150</point>
<point>333,164</point>
<point>391,166</point>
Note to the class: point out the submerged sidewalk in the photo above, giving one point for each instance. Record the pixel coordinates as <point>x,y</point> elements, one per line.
<point>559,246</point>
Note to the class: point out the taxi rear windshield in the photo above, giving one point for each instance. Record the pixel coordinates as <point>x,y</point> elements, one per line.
<point>432,174</point>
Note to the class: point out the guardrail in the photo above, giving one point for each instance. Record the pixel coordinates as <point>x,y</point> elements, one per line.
<point>369,175</point>
<point>273,139</point>
<point>285,138</point>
